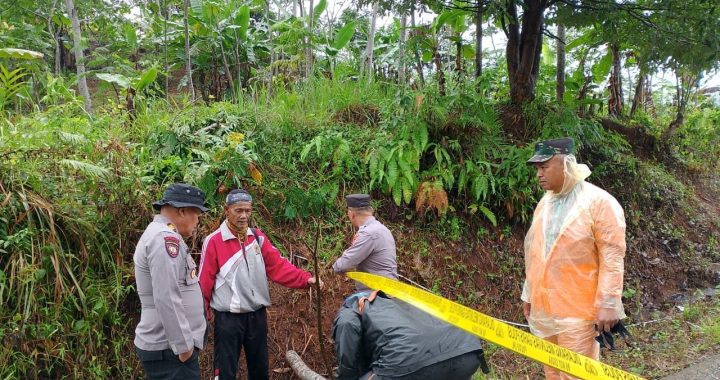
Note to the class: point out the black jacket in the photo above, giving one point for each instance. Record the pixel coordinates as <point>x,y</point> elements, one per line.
<point>393,338</point>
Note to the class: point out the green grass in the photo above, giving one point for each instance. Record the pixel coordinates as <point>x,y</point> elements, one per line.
<point>660,348</point>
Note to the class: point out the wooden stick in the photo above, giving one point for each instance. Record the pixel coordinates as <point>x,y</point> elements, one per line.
<point>318,300</point>
<point>300,368</point>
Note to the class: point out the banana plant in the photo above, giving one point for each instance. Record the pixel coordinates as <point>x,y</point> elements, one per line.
<point>20,53</point>
<point>342,37</point>
<point>132,86</point>
<point>217,26</point>
<point>455,20</point>
<point>579,84</point>
<point>426,40</point>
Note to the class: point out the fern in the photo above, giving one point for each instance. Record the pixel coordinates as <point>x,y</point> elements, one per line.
<point>204,155</point>
<point>488,214</point>
<point>10,84</point>
<point>431,196</point>
<point>72,138</point>
<point>420,137</point>
<point>407,190</point>
<point>332,150</point>
<point>397,194</point>
<point>90,170</point>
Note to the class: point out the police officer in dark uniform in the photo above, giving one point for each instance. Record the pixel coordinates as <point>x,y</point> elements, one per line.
<point>172,321</point>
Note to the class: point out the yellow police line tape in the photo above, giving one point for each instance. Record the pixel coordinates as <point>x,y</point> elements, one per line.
<point>494,331</point>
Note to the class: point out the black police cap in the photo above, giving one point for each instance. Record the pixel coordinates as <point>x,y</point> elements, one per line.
<point>358,200</point>
<point>182,195</point>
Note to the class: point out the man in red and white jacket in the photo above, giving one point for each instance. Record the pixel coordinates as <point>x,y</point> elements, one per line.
<point>236,263</point>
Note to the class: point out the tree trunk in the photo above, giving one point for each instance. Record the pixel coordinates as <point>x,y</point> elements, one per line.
<point>523,48</point>
<point>58,54</point>
<point>649,105</point>
<point>204,91</point>
<point>215,83</point>
<point>166,11</point>
<point>56,40</point>
<point>438,67</point>
<point>401,56</point>
<point>478,43</point>
<point>301,8</point>
<point>273,58</point>
<point>674,125</point>
<point>418,60</point>
<point>615,100</point>
<point>188,60</point>
<point>629,82</point>
<point>458,56</point>
<point>560,74</point>
<point>308,47</point>
<point>368,62</point>
<point>79,56</point>
<point>684,84</point>
<point>238,69</point>
<point>228,74</point>
<point>591,109</point>
<point>587,80</point>
<point>639,98</point>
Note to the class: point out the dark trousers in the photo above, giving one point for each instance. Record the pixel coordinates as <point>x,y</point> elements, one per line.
<point>233,331</point>
<point>162,365</point>
<point>458,368</point>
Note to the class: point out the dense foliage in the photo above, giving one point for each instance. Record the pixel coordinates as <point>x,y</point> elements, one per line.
<point>301,108</point>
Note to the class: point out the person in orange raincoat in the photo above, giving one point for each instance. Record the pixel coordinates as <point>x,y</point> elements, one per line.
<point>574,254</point>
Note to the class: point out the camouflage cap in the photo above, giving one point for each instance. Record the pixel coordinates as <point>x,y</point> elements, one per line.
<point>544,150</point>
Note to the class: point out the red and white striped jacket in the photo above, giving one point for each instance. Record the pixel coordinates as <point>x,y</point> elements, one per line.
<point>234,276</point>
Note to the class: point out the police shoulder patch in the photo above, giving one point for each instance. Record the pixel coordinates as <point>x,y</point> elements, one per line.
<point>172,246</point>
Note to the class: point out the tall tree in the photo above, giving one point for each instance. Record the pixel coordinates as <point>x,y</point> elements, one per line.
<point>639,97</point>
<point>685,83</point>
<point>403,47</point>
<point>367,67</point>
<point>458,26</point>
<point>524,45</point>
<point>188,59</point>
<point>166,14</point>
<point>560,67</point>
<point>478,41</point>
<point>416,51</point>
<point>79,56</point>
<point>308,46</point>
<point>437,59</point>
<point>689,45</point>
<point>56,39</point>
<point>615,100</point>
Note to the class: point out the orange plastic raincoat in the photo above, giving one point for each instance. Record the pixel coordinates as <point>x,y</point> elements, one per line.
<point>574,254</point>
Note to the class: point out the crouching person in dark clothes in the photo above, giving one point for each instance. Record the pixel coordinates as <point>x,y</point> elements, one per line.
<point>172,321</point>
<point>377,337</point>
